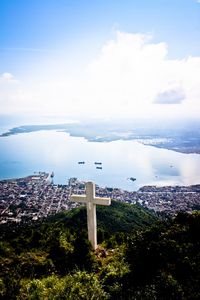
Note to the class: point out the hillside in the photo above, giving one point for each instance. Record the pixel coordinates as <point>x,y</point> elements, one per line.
<point>119,217</point>
<point>58,244</point>
<point>140,257</point>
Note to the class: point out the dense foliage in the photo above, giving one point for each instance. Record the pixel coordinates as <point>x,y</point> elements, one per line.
<point>140,257</point>
<point>164,260</point>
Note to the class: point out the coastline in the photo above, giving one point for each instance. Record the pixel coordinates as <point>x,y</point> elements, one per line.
<point>187,144</point>
<point>35,197</point>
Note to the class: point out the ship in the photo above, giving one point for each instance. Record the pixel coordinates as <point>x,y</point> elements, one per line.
<point>132,178</point>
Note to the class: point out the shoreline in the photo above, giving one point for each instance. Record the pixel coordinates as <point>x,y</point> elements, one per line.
<point>176,143</point>
<point>35,197</point>
<point>145,188</point>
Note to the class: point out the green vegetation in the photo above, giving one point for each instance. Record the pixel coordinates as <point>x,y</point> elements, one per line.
<point>117,219</point>
<point>164,260</point>
<point>80,285</point>
<point>140,257</point>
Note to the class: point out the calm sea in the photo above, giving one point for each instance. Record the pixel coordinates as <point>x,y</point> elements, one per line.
<point>24,154</point>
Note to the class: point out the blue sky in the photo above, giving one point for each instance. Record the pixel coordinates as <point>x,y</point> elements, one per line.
<point>51,44</point>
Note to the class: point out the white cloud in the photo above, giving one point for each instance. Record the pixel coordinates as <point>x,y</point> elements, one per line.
<point>127,79</point>
<point>6,76</point>
<point>174,96</point>
<point>132,72</point>
<point>10,94</point>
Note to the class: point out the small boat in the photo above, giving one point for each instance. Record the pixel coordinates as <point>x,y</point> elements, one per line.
<point>132,178</point>
<point>81,162</point>
<point>99,168</point>
<point>98,163</point>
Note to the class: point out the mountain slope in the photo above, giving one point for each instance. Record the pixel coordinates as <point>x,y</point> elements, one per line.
<point>119,217</point>
<point>59,246</point>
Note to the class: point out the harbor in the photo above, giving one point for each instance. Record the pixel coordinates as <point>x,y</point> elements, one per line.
<point>34,197</point>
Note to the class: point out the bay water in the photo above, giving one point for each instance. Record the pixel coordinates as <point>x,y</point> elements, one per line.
<point>23,154</point>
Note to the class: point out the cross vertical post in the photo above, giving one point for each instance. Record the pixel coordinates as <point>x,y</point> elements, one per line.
<point>91,214</point>
<point>91,200</point>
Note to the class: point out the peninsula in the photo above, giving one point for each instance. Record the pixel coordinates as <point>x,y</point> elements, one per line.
<point>184,140</point>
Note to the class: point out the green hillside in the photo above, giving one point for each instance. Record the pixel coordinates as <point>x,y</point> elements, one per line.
<point>119,217</point>
<point>140,257</point>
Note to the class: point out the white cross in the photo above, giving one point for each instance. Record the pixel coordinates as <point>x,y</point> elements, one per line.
<point>91,202</point>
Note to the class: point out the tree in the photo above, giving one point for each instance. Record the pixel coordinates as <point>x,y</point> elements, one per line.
<point>79,286</point>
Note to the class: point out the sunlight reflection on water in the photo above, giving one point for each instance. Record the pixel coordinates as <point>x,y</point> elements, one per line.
<point>23,154</point>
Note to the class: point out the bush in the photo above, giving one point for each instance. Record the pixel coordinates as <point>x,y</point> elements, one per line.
<point>79,285</point>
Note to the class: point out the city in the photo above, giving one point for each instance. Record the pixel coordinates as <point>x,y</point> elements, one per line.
<point>36,196</point>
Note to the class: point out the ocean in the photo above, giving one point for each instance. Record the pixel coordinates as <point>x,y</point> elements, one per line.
<point>23,154</point>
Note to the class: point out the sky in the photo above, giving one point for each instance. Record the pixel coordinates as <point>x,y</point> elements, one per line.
<point>100,59</point>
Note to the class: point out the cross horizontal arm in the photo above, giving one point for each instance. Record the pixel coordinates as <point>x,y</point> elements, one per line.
<point>78,198</point>
<point>101,201</point>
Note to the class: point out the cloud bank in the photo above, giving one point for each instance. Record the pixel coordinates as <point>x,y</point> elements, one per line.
<point>175,96</point>
<point>131,78</point>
